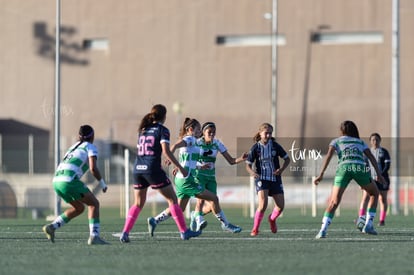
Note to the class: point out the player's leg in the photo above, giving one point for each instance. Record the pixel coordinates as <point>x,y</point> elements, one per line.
<point>93,216</point>
<point>279,200</point>
<point>333,203</point>
<point>169,194</point>
<point>70,192</point>
<point>261,208</point>
<point>140,196</point>
<point>383,199</point>
<point>218,212</point>
<point>372,190</point>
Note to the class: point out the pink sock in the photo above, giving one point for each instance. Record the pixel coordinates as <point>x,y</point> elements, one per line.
<point>362,212</point>
<point>258,217</point>
<point>178,216</point>
<point>275,214</point>
<point>382,216</point>
<point>132,217</point>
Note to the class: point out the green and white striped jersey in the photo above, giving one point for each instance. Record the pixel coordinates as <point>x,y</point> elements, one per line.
<point>75,163</point>
<point>188,155</point>
<point>208,155</point>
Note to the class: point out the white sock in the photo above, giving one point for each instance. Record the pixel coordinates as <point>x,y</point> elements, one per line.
<point>222,218</point>
<point>162,217</point>
<point>326,221</point>
<point>369,219</point>
<point>58,222</point>
<point>94,229</point>
<point>199,218</point>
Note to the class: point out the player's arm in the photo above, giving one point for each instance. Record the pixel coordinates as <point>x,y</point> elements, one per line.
<point>170,156</point>
<point>325,164</point>
<point>179,144</point>
<point>286,162</point>
<point>232,160</point>
<point>373,161</point>
<point>250,170</point>
<point>93,168</point>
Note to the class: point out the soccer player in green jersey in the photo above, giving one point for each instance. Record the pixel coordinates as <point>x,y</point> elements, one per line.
<point>80,158</point>
<point>209,148</point>
<point>351,166</point>
<point>186,186</point>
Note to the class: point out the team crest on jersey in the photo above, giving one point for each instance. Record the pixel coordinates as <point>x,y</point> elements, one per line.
<point>273,153</point>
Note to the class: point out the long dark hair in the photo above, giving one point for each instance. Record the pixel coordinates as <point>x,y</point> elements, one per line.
<point>188,123</point>
<point>158,113</point>
<point>86,133</point>
<point>349,128</point>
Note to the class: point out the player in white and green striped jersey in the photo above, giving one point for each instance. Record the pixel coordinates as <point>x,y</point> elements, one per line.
<point>67,183</point>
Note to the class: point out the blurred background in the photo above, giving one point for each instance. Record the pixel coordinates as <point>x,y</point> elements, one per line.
<point>302,65</point>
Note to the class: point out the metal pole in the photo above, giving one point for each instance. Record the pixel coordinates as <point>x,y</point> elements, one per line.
<point>31,154</point>
<point>1,153</point>
<point>126,170</point>
<point>395,107</point>
<point>274,66</point>
<point>57,101</point>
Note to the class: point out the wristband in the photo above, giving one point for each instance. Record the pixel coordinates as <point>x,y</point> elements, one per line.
<point>102,184</point>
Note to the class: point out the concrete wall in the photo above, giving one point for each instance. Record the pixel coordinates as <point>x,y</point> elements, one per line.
<point>165,52</point>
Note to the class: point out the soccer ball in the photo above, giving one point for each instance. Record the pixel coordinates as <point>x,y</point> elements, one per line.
<point>360,223</point>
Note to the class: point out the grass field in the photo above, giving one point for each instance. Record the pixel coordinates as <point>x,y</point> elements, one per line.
<point>293,250</point>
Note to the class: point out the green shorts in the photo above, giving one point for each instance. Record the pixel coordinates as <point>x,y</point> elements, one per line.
<point>70,191</point>
<point>208,183</point>
<point>347,172</point>
<point>187,187</point>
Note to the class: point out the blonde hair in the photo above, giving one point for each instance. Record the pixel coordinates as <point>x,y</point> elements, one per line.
<point>262,127</point>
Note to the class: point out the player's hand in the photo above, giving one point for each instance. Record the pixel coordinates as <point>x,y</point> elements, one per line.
<point>175,171</point>
<point>318,179</point>
<point>103,185</point>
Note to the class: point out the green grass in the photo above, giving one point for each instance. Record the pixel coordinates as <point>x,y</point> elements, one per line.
<point>293,250</point>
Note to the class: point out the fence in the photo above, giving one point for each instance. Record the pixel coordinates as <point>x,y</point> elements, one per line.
<point>21,167</point>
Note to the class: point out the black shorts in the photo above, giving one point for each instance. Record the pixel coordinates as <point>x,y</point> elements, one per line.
<point>156,180</point>
<point>273,186</point>
<point>382,187</point>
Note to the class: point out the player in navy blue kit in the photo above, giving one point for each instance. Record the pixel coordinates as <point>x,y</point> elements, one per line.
<point>265,154</point>
<point>153,142</point>
<point>384,162</point>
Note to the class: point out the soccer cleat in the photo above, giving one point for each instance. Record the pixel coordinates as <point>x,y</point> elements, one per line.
<point>381,223</point>
<point>360,222</point>
<point>201,225</point>
<point>124,238</point>
<point>369,229</point>
<point>321,235</point>
<point>151,226</point>
<point>96,240</point>
<point>193,222</point>
<point>189,234</point>
<point>231,228</point>
<point>254,232</point>
<point>273,225</point>
<point>50,232</point>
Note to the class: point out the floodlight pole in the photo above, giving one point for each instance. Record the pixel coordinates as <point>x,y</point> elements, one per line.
<point>57,102</point>
<point>274,66</point>
<point>395,107</point>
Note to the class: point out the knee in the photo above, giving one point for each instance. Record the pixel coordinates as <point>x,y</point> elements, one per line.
<point>80,208</point>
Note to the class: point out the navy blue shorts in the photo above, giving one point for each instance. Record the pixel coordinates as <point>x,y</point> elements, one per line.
<point>273,187</point>
<point>383,187</point>
<point>156,181</point>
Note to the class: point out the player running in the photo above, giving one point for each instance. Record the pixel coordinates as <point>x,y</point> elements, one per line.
<point>153,142</point>
<point>185,186</point>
